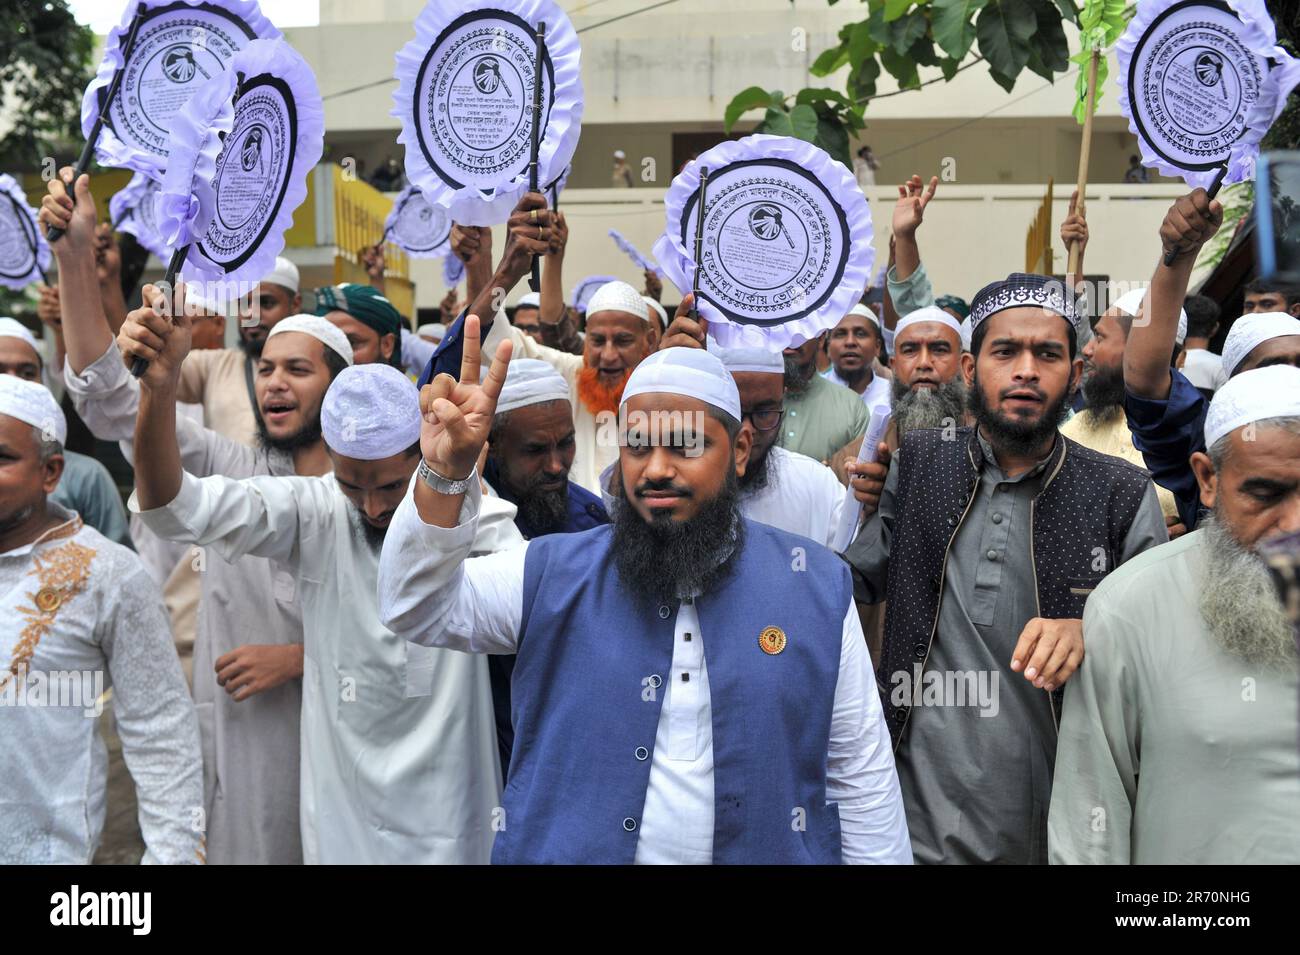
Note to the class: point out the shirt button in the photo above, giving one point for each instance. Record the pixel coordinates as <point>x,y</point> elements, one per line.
<point>664,612</point>
<point>992,555</point>
<point>629,824</point>
<point>900,715</point>
<point>919,650</point>
<point>997,518</point>
<point>656,680</point>
<point>642,753</point>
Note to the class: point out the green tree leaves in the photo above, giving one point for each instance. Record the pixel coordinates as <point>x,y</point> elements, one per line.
<point>903,36</point>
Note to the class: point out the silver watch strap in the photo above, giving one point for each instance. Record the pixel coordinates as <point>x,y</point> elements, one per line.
<point>442,484</point>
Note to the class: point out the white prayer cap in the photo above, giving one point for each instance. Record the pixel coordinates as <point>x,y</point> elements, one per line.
<point>530,300</point>
<point>619,154</point>
<point>285,273</point>
<point>691,372</point>
<point>618,297</point>
<point>321,329</point>
<point>370,412</point>
<point>33,403</point>
<point>1251,331</point>
<point>1255,395</point>
<point>1131,301</point>
<point>12,328</point>
<point>436,329</point>
<point>750,359</point>
<point>530,381</point>
<point>931,313</point>
<point>965,333</point>
<point>866,312</point>
<point>657,309</point>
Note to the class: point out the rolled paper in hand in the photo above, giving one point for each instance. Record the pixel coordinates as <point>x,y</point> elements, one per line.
<point>851,513</point>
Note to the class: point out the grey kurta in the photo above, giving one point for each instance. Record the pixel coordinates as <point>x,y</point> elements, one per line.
<point>977,775</point>
<point>1172,750</point>
<point>251,748</point>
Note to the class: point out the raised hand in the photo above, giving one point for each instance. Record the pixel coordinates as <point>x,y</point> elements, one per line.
<point>1191,222</point>
<point>77,222</point>
<point>913,197</point>
<point>868,479</point>
<point>108,259</point>
<point>1075,227</point>
<point>685,331</point>
<point>531,230</point>
<point>458,414</point>
<point>654,286</point>
<point>372,258</point>
<point>471,242</point>
<point>158,332</point>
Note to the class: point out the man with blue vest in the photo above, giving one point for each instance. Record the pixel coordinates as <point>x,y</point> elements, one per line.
<point>691,687</point>
<point>985,544</point>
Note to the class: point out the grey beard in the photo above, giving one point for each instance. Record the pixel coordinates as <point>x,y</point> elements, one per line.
<point>918,408</point>
<point>795,379</point>
<point>1238,603</point>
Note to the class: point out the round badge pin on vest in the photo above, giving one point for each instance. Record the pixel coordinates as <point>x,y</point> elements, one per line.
<point>772,640</point>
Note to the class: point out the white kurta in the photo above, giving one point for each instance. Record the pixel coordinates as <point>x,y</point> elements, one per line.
<point>399,748</point>
<point>108,629</point>
<point>878,394</point>
<point>430,593</point>
<point>250,747</point>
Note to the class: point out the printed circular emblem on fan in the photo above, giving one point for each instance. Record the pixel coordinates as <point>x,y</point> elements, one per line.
<point>179,46</point>
<point>772,640</point>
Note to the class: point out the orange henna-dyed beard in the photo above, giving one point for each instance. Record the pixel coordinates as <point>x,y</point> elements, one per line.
<point>596,395</point>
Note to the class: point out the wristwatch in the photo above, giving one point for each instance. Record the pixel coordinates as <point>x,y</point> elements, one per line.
<point>445,485</point>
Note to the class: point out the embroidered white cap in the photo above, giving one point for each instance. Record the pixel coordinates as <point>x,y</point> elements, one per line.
<point>530,381</point>
<point>321,329</point>
<point>34,404</point>
<point>1255,395</point>
<point>370,412</point>
<point>1250,331</point>
<point>618,297</point>
<point>690,372</point>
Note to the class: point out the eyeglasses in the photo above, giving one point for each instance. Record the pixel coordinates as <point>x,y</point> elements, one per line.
<point>769,419</point>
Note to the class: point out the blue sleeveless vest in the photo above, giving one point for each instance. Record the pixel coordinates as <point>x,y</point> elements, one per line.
<point>588,686</point>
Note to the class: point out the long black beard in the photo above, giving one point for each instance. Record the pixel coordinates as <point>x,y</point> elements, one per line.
<point>919,408</point>
<point>662,561</point>
<point>252,347</point>
<point>544,511</point>
<point>365,532</point>
<point>1011,434</point>
<point>757,473</point>
<point>309,435</point>
<point>1240,608</point>
<point>1104,392</point>
<point>796,377</point>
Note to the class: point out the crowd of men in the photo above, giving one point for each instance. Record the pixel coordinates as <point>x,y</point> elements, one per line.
<point>573,597</point>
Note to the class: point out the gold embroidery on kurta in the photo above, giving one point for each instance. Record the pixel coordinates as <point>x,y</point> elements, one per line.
<point>62,574</point>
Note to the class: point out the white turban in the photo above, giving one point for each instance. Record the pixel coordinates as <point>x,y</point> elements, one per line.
<point>530,300</point>
<point>1131,301</point>
<point>1251,331</point>
<point>866,312</point>
<point>1255,395</point>
<point>965,333</point>
<point>284,274</point>
<point>931,313</point>
<point>618,297</point>
<point>657,309</point>
<point>530,381</point>
<point>321,329</point>
<point>12,328</point>
<point>751,359</point>
<point>370,412</point>
<point>33,403</point>
<point>690,372</point>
